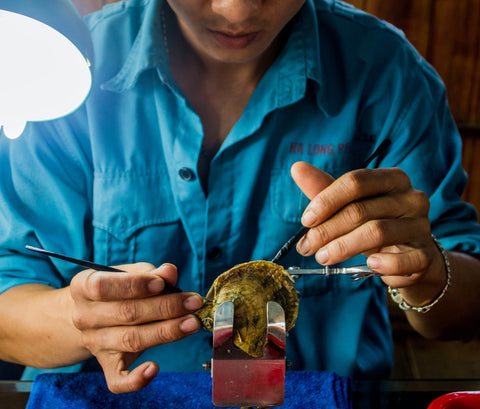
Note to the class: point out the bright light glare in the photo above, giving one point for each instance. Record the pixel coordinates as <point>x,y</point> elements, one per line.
<point>42,74</point>
<point>13,128</point>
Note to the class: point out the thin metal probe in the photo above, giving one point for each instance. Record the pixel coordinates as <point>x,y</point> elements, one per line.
<point>94,266</point>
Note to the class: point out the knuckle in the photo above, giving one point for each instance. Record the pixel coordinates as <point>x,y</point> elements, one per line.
<point>128,311</point>
<point>131,340</point>
<point>121,384</point>
<point>320,202</point>
<point>397,180</point>
<point>166,332</point>
<point>128,287</point>
<point>420,257</point>
<point>339,248</point>
<point>79,320</point>
<point>422,260</point>
<point>400,176</point>
<point>167,310</point>
<point>170,306</point>
<point>356,213</point>
<point>351,182</point>
<point>114,385</point>
<point>375,230</point>
<point>90,341</point>
<point>400,263</point>
<point>423,201</point>
<point>319,235</point>
<point>410,262</point>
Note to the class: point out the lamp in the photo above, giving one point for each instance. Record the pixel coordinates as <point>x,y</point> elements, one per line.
<point>45,62</point>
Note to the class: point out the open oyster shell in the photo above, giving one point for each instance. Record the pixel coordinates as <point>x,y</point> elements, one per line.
<point>250,286</point>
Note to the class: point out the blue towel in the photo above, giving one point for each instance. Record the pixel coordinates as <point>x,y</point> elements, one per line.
<point>177,390</point>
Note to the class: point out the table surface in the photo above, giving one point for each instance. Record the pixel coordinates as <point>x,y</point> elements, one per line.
<point>391,394</point>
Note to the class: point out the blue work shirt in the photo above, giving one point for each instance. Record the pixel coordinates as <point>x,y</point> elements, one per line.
<point>116,181</point>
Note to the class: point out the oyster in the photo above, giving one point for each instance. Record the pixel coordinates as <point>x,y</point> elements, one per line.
<point>250,286</point>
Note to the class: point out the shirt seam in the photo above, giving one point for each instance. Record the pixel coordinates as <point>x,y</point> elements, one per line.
<point>420,75</point>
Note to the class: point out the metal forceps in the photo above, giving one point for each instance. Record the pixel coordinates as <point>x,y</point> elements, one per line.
<point>355,272</point>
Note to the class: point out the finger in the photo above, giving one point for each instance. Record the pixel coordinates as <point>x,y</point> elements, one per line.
<point>136,311</point>
<point>138,338</point>
<point>136,267</point>
<point>356,214</point>
<point>310,179</point>
<point>107,286</point>
<point>121,380</point>
<point>405,263</point>
<point>373,235</point>
<point>353,186</point>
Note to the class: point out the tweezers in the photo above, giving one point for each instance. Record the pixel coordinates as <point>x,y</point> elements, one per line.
<point>94,266</point>
<point>355,272</point>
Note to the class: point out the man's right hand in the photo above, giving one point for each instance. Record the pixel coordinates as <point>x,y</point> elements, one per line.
<point>122,314</point>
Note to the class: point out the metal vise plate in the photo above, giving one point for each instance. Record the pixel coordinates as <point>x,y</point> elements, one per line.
<point>239,379</point>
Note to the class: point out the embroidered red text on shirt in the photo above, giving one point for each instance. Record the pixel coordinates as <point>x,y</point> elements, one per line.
<point>317,149</point>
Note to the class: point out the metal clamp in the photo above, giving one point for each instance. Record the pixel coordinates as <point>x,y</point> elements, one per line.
<point>239,379</point>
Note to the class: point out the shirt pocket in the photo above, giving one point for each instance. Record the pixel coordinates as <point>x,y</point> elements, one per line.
<point>133,215</point>
<point>287,202</point>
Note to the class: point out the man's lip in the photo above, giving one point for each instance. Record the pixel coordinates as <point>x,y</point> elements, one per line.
<point>233,34</point>
<point>234,40</point>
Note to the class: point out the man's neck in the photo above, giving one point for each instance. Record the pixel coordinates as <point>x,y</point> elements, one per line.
<point>218,91</point>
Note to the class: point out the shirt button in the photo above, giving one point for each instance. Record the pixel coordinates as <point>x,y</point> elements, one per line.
<point>186,174</point>
<point>214,253</point>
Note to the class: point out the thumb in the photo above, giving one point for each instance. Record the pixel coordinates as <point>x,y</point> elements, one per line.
<point>310,179</point>
<point>168,272</point>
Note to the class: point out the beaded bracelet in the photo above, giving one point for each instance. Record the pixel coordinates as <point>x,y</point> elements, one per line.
<point>398,299</point>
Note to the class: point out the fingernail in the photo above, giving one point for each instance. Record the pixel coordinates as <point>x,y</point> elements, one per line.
<point>374,262</point>
<point>165,266</point>
<point>322,256</point>
<point>159,271</point>
<point>150,371</point>
<point>303,246</point>
<point>309,218</point>
<point>189,325</point>
<point>193,303</point>
<point>156,285</point>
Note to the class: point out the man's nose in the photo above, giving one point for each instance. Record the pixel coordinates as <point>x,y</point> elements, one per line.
<point>236,11</point>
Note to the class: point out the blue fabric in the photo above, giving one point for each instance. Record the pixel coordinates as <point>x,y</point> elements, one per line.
<point>179,390</point>
<point>105,183</point>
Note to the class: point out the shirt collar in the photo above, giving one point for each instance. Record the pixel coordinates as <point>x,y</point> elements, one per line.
<point>301,60</point>
<point>308,56</point>
<point>148,51</point>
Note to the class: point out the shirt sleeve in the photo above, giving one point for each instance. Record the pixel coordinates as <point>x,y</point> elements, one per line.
<point>426,144</point>
<point>45,202</point>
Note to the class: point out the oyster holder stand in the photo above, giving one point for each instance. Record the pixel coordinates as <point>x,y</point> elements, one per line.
<point>239,379</point>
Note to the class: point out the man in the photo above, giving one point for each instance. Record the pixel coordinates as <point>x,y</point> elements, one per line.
<point>181,159</point>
